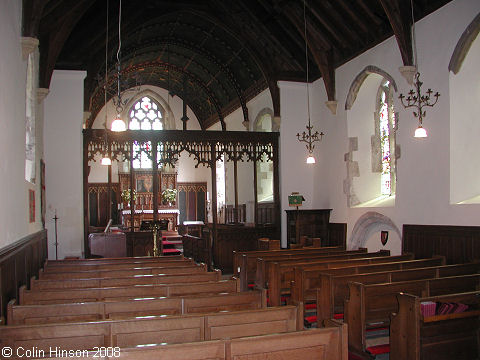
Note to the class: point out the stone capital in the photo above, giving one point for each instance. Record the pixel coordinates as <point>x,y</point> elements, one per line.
<point>29,44</point>
<point>408,72</point>
<point>332,105</point>
<point>42,94</point>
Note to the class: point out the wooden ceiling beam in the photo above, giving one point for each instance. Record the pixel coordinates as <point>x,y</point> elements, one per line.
<point>332,28</point>
<point>51,43</point>
<point>343,21</point>
<point>398,13</point>
<point>356,20</point>
<point>296,18</point>
<point>322,52</point>
<point>366,7</point>
<point>31,17</point>
<point>269,29</point>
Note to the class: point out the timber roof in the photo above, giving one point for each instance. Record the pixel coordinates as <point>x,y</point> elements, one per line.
<point>215,54</point>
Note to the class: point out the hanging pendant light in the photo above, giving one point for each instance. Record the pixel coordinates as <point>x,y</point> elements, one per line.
<point>415,98</point>
<point>308,137</point>
<point>118,124</point>
<point>106,159</point>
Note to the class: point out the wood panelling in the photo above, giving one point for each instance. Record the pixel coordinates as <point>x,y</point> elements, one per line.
<point>459,244</point>
<point>312,223</point>
<point>18,262</point>
<point>337,234</point>
<point>238,238</point>
<point>140,243</point>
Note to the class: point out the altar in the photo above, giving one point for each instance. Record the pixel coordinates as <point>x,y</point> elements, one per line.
<point>140,215</point>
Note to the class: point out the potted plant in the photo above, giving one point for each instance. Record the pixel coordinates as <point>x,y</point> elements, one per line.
<point>126,195</point>
<point>169,196</point>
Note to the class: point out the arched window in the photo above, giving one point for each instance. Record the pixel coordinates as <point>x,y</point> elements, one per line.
<point>386,124</point>
<point>145,114</point>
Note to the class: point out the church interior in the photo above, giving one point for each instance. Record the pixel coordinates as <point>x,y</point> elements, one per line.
<point>250,179</point>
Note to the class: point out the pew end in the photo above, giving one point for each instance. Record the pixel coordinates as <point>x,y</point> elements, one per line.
<point>10,305</point>
<point>342,341</point>
<point>21,294</point>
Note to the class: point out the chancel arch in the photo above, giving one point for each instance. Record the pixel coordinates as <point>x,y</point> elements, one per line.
<point>373,151</point>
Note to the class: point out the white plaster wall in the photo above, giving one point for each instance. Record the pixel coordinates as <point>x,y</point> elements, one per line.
<point>296,175</point>
<point>234,121</point>
<point>63,157</point>
<point>465,128</point>
<point>14,215</point>
<point>423,172</point>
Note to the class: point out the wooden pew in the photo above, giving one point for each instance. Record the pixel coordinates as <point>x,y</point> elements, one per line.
<point>439,337</point>
<point>264,263</point>
<point>104,274</point>
<point>374,303</point>
<point>331,290</point>
<point>60,296</point>
<point>124,281</point>
<point>328,343</point>
<point>308,279</point>
<point>156,330</point>
<point>117,266</point>
<point>280,276</point>
<point>101,310</point>
<point>248,259</point>
<point>121,260</point>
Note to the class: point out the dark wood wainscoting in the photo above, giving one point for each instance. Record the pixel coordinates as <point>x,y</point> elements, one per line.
<point>140,243</point>
<point>458,244</point>
<point>18,263</point>
<point>337,234</point>
<point>238,238</point>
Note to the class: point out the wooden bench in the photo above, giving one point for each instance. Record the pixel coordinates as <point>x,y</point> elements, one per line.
<point>155,330</point>
<point>59,296</point>
<point>124,281</point>
<point>307,280</point>
<point>101,310</point>
<point>264,263</point>
<point>374,303</point>
<point>104,274</point>
<point>248,260</point>
<point>197,248</point>
<point>117,266</point>
<point>328,343</point>
<point>280,276</point>
<point>439,337</point>
<point>120,260</point>
<point>332,290</point>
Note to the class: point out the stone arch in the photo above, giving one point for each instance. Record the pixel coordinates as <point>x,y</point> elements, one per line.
<point>368,224</point>
<point>169,118</point>
<point>360,78</point>
<point>259,116</point>
<point>464,44</point>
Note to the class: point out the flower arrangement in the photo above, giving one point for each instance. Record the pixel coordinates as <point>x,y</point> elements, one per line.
<point>126,195</point>
<point>169,195</point>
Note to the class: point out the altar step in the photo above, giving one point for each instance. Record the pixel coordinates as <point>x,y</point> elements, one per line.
<point>172,244</point>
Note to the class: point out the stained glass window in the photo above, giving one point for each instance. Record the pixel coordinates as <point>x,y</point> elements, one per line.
<point>386,120</point>
<point>30,120</point>
<point>145,114</point>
